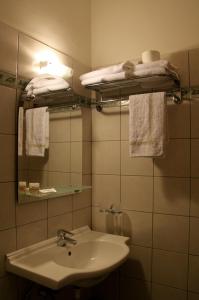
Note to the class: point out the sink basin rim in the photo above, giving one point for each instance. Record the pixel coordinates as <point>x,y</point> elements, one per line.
<point>56,276</point>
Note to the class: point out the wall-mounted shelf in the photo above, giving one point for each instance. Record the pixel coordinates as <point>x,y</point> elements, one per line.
<point>26,197</point>
<point>66,98</point>
<point>137,85</point>
<point>120,90</point>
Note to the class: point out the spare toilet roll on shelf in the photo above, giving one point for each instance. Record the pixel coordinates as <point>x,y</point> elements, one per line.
<point>150,55</point>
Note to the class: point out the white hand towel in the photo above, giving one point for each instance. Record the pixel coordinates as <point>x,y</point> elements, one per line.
<point>20,131</point>
<point>158,63</point>
<point>124,66</point>
<point>147,125</point>
<point>107,78</point>
<point>37,131</point>
<point>151,71</point>
<point>50,88</point>
<point>42,80</point>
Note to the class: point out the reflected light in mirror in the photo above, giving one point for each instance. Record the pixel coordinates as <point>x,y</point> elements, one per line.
<point>48,63</point>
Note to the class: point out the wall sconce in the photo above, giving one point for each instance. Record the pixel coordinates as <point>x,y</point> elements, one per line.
<point>47,63</point>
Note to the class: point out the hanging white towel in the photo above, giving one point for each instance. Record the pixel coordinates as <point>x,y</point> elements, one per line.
<point>147,125</point>
<point>37,131</point>
<point>20,131</point>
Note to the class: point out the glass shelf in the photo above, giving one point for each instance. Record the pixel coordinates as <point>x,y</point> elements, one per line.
<point>25,197</point>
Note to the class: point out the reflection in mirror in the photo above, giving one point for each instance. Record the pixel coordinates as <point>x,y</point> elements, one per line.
<point>59,171</point>
<point>59,168</point>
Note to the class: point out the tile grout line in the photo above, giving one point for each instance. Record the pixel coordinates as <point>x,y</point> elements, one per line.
<point>190,158</point>
<point>16,143</point>
<point>151,284</point>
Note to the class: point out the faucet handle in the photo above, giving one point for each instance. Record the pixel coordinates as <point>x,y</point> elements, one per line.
<point>62,233</point>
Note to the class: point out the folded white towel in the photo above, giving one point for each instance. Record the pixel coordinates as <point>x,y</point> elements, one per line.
<point>147,125</point>
<point>43,80</point>
<point>44,84</point>
<point>37,131</point>
<point>107,78</point>
<point>20,131</point>
<point>158,63</point>
<point>153,71</point>
<point>124,66</point>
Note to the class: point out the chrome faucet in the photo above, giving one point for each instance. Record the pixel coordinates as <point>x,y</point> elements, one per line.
<point>64,238</point>
<point>111,210</point>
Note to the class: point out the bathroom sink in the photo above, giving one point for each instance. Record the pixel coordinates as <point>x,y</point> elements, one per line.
<point>94,256</point>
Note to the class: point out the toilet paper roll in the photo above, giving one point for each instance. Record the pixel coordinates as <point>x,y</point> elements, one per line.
<point>150,55</point>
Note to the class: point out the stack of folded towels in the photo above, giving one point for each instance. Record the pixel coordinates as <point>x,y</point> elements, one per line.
<point>127,70</point>
<point>44,84</point>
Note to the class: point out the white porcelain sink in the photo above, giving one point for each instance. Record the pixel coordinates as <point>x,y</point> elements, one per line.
<point>90,260</point>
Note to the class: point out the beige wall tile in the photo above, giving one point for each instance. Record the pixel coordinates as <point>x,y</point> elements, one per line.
<point>134,166</point>
<point>76,125</point>
<point>38,163</point>
<point>178,119</point>
<point>194,236</point>
<point>59,157</point>
<point>105,222</point>
<point>82,217</point>
<point>58,179</point>
<point>193,273</point>
<point>194,158</point>
<point>86,124</point>
<point>8,51</point>
<point>171,195</point>
<point>59,222</point>
<point>194,67</point>
<point>31,233</point>
<point>82,200</point>
<point>137,193</point>
<point>194,117</point>
<point>7,158</point>
<point>8,244</point>
<point>87,158</point>
<point>170,232</point>
<point>8,110</point>
<point>138,226</point>
<point>31,212</point>
<point>194,209</point>
<point>165,292</point>
<point>180,60</point>
<point>106,157</point>
<point>125,123</point>
<point>170,268</point>
<point>60,127</point>
<point>76,157</point>
<point>106,124</point>
<point>59,206</point>
<point>7,204</point>
<point>105,190</point>
<point>76,178</point>
<point>176,161</point>
<point>138,264</point>
<point>134,289</point>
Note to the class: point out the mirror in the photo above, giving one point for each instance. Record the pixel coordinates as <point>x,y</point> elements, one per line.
<point>62,166</point>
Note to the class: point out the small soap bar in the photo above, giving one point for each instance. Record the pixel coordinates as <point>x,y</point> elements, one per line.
<point>34,187</point>
<point>22,186</point>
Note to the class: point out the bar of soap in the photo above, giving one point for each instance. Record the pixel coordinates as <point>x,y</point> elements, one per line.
<point>46,191</point>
